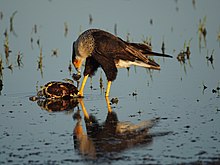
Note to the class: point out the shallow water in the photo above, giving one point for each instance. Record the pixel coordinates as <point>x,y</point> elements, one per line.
<point>188,130</point>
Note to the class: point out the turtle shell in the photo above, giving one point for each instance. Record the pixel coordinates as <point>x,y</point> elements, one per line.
<point>56,89</point>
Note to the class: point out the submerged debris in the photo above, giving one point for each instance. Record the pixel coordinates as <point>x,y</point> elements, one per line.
<point>210,58</point>
<point>204,87</point>
<point>188,52</point>
<point>163,47</point>
<point>1,67</point>
<point>101,86</point>
<point>91,87</point>
<point>90,19</point>
<point>147,40</point>
<point>37,86</point>
<point>34,29</point>
<point>202,31</point>
<point>181,57</point>
<point>1,85</point>
<point>115,29</point>
<point>66,29</point>
<point>32,40</point>
<point>10,67</point>
<point>216,90</point>
<point>128,37</point>
<point>6,46</point>
<point>38,42</point>
<point>218,36</point>
<point>185,53</point>
<point>19,60</point>
<point>114,100</point>
<point>128,71</point>
<point>1,15</point>
<point>54,52</point>
<point>70,67</point>
<point>151,21</point>
<point>133,93</point>
<point>187,48</point>
<point>40,62</point>
<point>11,23</point>
<point>194,4</point>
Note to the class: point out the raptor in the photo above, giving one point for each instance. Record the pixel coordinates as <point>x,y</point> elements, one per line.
<point>99,48</point>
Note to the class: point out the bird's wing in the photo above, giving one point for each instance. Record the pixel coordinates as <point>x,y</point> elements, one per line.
<point>140,46</point>
<point>107,65</point>
<point>111,46</point>
<point>114,47</point>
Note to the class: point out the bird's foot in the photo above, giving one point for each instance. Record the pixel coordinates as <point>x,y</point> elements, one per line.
<point>80,95</point>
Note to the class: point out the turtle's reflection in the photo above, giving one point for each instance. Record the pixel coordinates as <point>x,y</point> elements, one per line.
<point>56,105</point>
<point>102,140</point>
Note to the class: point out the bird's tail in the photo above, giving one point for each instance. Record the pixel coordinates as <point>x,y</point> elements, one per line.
<point>151,53</point>
<point>147,50</point>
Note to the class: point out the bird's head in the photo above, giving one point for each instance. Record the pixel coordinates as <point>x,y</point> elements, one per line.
<point>76,59</point>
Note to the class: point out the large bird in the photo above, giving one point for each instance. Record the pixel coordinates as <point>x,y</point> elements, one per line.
<point>99,48</point>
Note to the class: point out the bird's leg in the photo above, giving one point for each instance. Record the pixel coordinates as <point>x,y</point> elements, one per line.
<point>80,93</point>
<point>108,89</point>
<point>81,102</point>
<point>108,105</point>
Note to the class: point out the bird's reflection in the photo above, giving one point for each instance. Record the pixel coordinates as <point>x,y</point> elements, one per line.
<point>103,141</point>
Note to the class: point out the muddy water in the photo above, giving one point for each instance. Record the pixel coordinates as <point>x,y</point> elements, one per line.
<point>177,106</point>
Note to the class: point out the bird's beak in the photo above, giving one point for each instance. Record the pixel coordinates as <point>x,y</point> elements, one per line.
<point>77,64</point>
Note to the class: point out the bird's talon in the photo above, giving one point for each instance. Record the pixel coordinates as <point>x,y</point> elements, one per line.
<point>80,95</point>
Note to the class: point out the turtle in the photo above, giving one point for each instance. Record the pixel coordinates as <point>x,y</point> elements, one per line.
<point>56,90</point>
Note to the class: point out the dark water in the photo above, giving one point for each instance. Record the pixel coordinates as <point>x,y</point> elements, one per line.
<point>39,35</point>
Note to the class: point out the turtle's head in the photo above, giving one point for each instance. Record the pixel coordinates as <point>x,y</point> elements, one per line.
<point>76,60</point>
